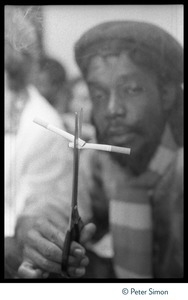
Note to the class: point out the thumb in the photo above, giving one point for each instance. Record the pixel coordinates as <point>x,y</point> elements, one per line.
<point>87,233</point>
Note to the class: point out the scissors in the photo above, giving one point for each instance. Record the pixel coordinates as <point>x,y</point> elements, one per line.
<point>75,222</point>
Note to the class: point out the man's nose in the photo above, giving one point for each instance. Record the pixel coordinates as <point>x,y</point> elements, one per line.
<point>116,106</point>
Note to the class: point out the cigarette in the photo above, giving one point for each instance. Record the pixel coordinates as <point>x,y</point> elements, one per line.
<point>58,131</point>
<point>102,147</point>
<point>81,143</point>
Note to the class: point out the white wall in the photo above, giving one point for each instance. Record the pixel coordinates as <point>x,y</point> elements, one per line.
<point>64,24</point>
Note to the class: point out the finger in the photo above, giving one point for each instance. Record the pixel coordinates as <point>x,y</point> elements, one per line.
<point>44,246</point>
<point>87,232</point>
<point>50,232</point>
<point>74,261</point>
<point>77,253</point>
<point>84,262</point>
<point>41,262</point>
<point>76,272</point>
<point>78,261</point>
<point>26,270</point>
<point>76,249</point>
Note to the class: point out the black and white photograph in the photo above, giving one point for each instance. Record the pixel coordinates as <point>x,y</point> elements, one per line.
<point>93,138</point>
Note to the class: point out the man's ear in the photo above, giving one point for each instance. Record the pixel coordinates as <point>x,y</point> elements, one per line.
<point>168,96</point>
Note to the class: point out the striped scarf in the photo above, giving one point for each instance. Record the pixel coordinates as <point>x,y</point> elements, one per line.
<point>130,213</point>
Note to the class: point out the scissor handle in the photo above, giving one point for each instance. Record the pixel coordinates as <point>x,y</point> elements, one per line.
<point>66,251</point>
<point>71,235</point>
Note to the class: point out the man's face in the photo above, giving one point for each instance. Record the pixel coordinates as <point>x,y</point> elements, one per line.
<point>127,106</point>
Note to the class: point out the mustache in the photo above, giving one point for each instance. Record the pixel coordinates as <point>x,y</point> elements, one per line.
<point>111,127</point>
<point>118,122</point>
<point>114,126</point>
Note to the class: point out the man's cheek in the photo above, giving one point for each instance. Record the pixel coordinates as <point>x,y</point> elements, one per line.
<point>99,127</point>
<point>97,117</point>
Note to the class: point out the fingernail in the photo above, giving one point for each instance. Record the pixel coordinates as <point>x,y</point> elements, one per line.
<point>78,252</point>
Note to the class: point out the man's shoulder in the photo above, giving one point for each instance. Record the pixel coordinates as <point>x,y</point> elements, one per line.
<point>179,162</point>
<point>175,169</point>
<point>171,183</point>
<point>168,221</point>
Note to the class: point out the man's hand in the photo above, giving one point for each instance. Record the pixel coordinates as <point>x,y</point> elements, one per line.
<point>42,251</point>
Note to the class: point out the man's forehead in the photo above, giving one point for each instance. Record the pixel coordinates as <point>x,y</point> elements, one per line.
<point>117,64</point>
<point>98,63</point>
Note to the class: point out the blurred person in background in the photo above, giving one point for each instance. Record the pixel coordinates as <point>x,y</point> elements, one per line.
<point>66,96</point>
<point>52,83</point>
<point>134,72</point>
<point>36,161</point>
<point>79,99</point>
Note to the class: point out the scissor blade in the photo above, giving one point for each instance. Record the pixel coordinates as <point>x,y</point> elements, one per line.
<point>75,164</point>
<point>80,123</point>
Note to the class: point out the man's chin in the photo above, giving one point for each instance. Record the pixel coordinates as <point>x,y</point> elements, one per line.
<point>121,159</point>
<point>121,141</point>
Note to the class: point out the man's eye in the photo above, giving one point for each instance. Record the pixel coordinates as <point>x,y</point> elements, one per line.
<point>98,96</point>
<point>133,91</point>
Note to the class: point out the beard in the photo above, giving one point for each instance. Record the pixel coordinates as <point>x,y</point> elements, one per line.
<point>139,159</point>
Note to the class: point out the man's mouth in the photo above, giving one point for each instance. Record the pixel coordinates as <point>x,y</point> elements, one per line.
<point>119,135</point>
<point>117,130</point>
